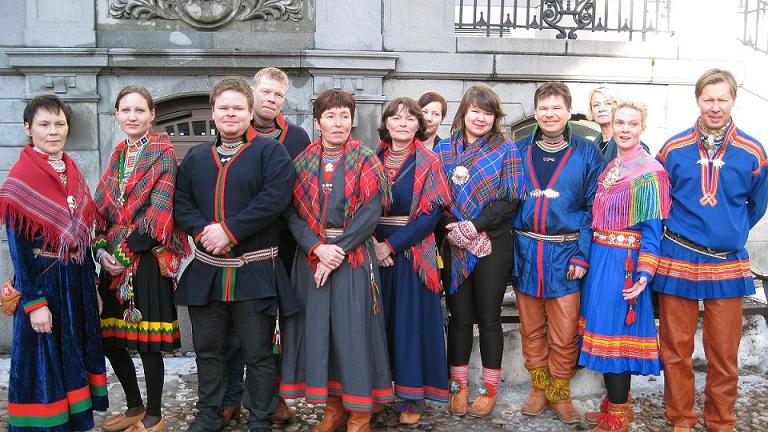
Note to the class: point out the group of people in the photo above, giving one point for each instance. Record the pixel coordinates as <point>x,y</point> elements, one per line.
<point>319,267</point>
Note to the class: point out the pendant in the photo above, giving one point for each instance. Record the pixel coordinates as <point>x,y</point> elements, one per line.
<point>327,188</point>
<point>63,178</point>
<point>612,177</point>
<point>71,203</point>
<point>328,167</point>
<point>460,175</point>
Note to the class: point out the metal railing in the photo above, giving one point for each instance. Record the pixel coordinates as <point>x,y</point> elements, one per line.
<point>754,16</point>
<point>616,19</point>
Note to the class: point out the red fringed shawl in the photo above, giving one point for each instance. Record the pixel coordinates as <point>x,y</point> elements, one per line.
<point>430,191</point>
<point>33,201</point>
<point>148,206</point>
<point>363,177</point>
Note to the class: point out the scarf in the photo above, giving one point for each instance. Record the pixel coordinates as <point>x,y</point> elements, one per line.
<point>34,202</point>
<point>148,198</point>
<point>430,191</point>
<point>363,177</point>
<point>632,189</point>
<point>495,172</point>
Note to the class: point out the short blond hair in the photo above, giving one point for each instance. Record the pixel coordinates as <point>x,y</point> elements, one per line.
<point>272,73</point>
<point>607,93</point>
<point>714,76</point>
<point>638,106</point>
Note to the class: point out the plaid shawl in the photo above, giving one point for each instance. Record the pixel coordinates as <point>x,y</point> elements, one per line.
<point>430,190</point>
<point>495,172</point>
<point>363,177</point>
<point>33,201</point>
<point>148,206</point>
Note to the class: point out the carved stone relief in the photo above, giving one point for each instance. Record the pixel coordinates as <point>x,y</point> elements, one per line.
<point>207,14</point>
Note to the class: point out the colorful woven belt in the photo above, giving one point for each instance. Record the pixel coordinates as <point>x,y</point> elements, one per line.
<point>47,253</point>
<point>556,238</point>
<point>333,232</point>
<point>393,220</point>
<point>246,258</point>
<point>625,239</point>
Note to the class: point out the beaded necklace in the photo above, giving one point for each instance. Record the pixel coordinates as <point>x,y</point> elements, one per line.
<point>128,160</point>
<point>57,163</point>
<point>228,148</point>
<point>267,131</point>
<point>394,160</point>
<point>552,144</point>
<point>331,157</point>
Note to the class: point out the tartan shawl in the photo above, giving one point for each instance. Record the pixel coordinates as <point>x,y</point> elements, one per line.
<point>495,172</point>
<point>33,201</point>
<point>430,191</point>
<point>148,206</point>
<point>363,177</point>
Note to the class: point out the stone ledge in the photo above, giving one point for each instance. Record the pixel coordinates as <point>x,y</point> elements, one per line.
<point>498,45</point>
<point>57,59</point>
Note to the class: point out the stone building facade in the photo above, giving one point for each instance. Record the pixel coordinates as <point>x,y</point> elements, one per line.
<point>86,50</point>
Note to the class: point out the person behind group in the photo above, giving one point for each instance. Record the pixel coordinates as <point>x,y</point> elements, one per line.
<point>335,351</point>
<point>433,108</point>
<point>719,192</point>
<point>58,375</point>
<point>554,233</point>
<point>270,86</point>
<point>602,103</point>
<point>229,195</point>
<point>134,199</point>
<point>485,175</point>
<point>406,251</point>
<point>618,326</point>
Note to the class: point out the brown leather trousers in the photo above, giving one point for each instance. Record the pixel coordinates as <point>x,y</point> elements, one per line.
<point>678,319</point>
<point>548,328</point>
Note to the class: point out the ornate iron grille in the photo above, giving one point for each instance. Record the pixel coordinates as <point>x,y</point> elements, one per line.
<point>615,19</point>
<point>754,17</point>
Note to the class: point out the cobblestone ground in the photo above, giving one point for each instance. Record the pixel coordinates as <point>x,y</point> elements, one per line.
<point>181,385</point>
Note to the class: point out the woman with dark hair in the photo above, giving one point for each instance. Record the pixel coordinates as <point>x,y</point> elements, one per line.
<point>336,352</point>
<point>139,250</point>
<point>486,179</point>
<point>433,108</point>
<point>406,252</point>
<point>58,375</point>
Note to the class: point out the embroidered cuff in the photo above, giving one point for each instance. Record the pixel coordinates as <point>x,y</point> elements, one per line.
<point>100,243</point>
<point>123,255</point>
<point>35,304</point>
<point>228,233</point>
<point>579,263</point>
<point>648,263</point>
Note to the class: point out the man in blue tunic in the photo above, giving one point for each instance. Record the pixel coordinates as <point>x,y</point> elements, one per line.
<point>553,227</point>
<point>719,192</point>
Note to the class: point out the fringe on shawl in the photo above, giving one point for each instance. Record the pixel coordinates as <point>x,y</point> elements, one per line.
<point>646,197</point>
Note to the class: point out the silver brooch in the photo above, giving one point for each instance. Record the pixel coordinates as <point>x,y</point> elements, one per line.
<point>460,175</point>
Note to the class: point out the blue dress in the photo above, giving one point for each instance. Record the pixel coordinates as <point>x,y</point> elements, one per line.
<point>414,314</point>
<point>57,380</point>
<point>608,344</point>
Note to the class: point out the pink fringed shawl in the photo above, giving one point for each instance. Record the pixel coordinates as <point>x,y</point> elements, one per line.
<point>640,193</point>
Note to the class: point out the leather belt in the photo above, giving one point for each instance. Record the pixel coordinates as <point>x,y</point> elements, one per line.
<point>625,239</point>
<point>333,232</point>
<point>246,258</point>
<point>393,220</point>
<point>691,245</point>
<point>556,238</point>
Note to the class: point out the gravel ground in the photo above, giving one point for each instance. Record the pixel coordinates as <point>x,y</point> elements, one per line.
<point>181,385</point>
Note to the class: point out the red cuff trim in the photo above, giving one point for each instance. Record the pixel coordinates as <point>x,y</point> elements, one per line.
<point>580,263</point>
<point>35,304</point>
<point>198,237</point>
<point>391,249</point>
<point>229,233</point>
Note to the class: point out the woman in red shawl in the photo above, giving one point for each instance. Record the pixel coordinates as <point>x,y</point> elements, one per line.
<point>406,251</point>
<point>57,374</point>
<point>139,251</point>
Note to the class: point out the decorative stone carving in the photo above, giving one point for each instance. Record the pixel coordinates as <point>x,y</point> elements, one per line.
<point>207,14</point>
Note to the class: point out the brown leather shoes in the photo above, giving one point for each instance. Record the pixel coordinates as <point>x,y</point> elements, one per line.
<point>410,418</point>
<point>359,422</point>
<point>566,412</point>
<point>120,422</point>
<point>483,405</point>
<point>535,404</point>
<point>230,413</point>
<point>283,413</point>
<point>334,416</point>
<point>458,404</point>
<point>139,427</point>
